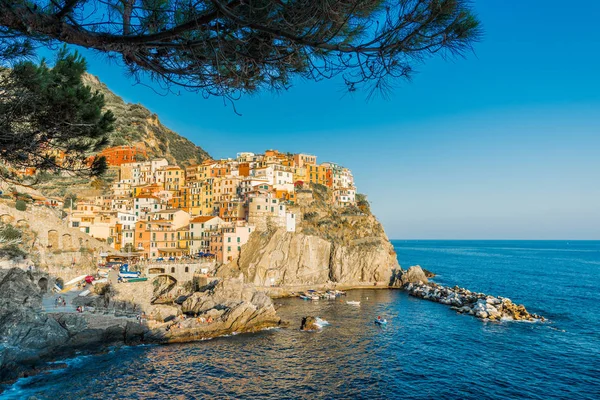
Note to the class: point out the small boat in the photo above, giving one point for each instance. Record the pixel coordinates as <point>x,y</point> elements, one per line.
<point>353,303</point>
<point>84,293</point>
<point>75,280</point>
<point>125,273</point>
<point>313,297</point>
<point>137,279</point>
<point>129,275</point>
<point>97,281</point>
<point>381,321</point>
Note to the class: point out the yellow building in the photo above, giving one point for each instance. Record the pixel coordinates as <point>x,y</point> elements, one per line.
<point>316,174</point>
<point>199,172</point>
<point>206,197</point>
<point>174,178</point>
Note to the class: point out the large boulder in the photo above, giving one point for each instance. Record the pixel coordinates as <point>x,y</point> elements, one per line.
<point>414,274</point>
<point>231,305</point>
<point>309,324</point>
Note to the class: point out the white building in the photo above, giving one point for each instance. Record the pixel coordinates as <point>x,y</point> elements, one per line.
<point>200,228</point>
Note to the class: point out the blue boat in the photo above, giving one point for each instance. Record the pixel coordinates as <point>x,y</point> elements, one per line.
<point>124,272</point>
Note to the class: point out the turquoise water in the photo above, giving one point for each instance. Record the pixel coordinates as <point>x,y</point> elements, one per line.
<point>426,351</point>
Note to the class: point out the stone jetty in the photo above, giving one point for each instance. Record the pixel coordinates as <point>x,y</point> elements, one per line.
<point>464,301</point>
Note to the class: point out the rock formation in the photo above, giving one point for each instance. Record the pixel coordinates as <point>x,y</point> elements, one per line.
<point>414,274</point>
<point>354,252</point>
<point>31,336</point>
<point>480,305</point>
<point>309,324</point>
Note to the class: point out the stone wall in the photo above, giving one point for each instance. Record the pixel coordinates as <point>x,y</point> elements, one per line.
<point>51,242</point>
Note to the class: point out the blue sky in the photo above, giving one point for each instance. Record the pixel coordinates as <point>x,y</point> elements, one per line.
<point>504,144</point>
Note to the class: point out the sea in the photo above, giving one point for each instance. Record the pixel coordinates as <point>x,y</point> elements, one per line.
<point>426,351</point>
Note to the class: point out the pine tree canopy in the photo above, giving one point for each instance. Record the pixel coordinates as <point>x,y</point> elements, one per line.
<point>51,121</point>
<point>231,47</point>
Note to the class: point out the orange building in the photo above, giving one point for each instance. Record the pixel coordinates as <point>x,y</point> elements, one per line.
<point>115,156</point>
<point>142,238</point>
<point>244,169</point>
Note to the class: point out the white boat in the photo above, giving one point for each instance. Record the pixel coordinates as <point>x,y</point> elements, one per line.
<point>84,293</point>
<point>129,274</point>
<point>313,297</point>
<point>353,303</point>
<point>75,280</point>
<point>103,280</point>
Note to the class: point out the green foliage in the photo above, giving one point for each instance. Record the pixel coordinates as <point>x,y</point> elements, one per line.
<point>21,205</point>
<point>12,251</point>
<point>70,200</point>
<point>229,48</point>
<point>362,203</point>
<point>9,233</point>
<point>47,109</point>
<point>10,238</point>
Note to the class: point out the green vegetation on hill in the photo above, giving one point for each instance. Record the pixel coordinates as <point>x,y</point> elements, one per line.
<point>136,125</point>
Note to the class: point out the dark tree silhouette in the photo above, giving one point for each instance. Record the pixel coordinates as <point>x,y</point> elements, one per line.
<point>50,120</point>
<point>230,47</point>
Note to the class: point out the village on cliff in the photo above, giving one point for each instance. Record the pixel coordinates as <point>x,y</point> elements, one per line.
<point>156,210</point>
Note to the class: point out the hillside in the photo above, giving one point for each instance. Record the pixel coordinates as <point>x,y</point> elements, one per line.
<point>135,125</point>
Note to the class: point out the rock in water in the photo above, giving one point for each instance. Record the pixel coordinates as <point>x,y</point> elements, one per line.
<point>428,273</point>
<point>414,274</point>
<point>309,324</point>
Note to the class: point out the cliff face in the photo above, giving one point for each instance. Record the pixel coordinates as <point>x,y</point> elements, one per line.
<point>347,247</point>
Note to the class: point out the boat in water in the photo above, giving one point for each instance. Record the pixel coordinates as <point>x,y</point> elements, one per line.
<point>380,321</point>
<point>353,303</point>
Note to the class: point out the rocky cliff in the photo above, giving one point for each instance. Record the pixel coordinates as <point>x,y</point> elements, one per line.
<point>332,246</point>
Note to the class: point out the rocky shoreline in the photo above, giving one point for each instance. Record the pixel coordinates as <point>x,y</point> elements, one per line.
<point>480,305</point>
<point>32,336</point>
